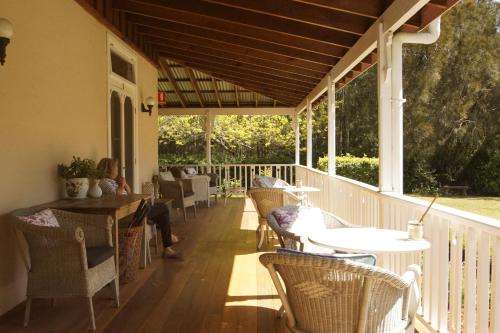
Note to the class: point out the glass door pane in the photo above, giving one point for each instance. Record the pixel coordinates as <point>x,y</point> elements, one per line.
<point>129,141</point>
<point>115,126</point>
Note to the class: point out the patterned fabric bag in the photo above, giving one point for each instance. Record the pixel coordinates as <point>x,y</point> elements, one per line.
<point>130,240</point>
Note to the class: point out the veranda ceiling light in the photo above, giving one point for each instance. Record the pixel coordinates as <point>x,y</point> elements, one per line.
<point>6,32</point>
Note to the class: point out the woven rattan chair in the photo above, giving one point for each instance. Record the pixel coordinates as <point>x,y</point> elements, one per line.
<point>61,260</point>
<point>181,190</point>
<point>265,200</point>
<point>324,295</point>
<point>294,241</point>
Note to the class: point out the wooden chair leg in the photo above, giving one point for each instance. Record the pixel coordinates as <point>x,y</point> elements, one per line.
<point>262,234</point>
<point>27,311</point>
<point>194,210</point>
<point>116,292</point>
<point>185,216</point>
<point>91,313</point>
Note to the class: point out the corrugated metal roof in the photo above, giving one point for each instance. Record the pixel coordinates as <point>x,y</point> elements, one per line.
<point>227,90</point>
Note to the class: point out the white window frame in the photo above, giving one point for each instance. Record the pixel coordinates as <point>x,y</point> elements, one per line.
<point>124,88</point>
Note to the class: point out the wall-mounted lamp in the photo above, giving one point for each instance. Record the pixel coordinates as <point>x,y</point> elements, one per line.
<point>150,102</point>
<point>6,31</point>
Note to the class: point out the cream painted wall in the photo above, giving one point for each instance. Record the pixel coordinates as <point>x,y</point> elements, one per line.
<point>53,104</point>
<point>148,125</point>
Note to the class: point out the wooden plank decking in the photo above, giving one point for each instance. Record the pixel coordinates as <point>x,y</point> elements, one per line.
<point>220,287</point>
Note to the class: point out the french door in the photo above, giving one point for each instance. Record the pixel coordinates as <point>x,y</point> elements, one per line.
<point>122,125</point>
<point>122,113</point>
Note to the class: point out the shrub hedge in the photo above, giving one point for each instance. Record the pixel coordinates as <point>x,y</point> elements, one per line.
<point>363,169</point>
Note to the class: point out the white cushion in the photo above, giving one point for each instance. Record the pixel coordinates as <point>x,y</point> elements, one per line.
<point>44,218</point>
<point>191,171</point>
<point>167,175</point>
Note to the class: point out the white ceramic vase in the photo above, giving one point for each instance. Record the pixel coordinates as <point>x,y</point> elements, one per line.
<point>95,190</point>
<point>77,188</point>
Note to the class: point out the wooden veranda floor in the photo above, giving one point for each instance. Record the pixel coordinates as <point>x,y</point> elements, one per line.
<point>219,287</point>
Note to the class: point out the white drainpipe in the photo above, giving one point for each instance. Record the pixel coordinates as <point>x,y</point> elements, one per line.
<point>397,93</point>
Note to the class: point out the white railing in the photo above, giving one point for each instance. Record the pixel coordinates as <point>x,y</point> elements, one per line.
<point>461,271</point>
<point>245,173</point>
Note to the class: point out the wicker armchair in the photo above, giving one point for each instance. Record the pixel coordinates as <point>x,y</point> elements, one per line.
<point>181,190</point>
<point>297,241</point>
<point>323,295</point>
<point>75,259</point>
<point>265,200</point>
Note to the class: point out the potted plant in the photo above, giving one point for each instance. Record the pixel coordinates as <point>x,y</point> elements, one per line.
<point>76,176</point>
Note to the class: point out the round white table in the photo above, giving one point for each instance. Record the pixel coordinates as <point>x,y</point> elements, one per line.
<point>368,240</point>
<point>302,192</point>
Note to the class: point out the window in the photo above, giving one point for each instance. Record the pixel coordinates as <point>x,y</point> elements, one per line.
<point>122,67</point>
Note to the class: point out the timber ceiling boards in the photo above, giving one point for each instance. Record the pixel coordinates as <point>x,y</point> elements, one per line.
<point>280,48</point>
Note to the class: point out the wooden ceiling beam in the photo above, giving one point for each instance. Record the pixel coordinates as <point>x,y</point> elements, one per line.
<point>236,50</point>
<point>206,92</point>
<point>232,39</point>
<point>284,69</point>
<point>194,83</point>
<point>207,22</point>
<point>371,9</point>
<point>305,13</point>
<point>234,18</point>
<point>166,70</point>
<point>216,89</point>
<point>259,72</point>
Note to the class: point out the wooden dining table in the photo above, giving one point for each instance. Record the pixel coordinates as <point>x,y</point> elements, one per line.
<point>116,206</point>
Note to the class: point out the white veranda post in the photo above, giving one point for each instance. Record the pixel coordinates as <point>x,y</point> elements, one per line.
<point>385,131</point>
<point>331,126</point>
<point>309,134</point>
<point>390,101</point>
<point>209,124</point>
<point>296,128</point>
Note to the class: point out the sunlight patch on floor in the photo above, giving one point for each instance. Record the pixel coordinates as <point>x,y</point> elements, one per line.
<point>250,284</point>
<point>249,219</point>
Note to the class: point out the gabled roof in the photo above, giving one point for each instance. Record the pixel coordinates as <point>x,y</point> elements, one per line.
<point>279,48</point>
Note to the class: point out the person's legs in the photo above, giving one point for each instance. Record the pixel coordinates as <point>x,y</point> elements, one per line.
<point>159,215</point>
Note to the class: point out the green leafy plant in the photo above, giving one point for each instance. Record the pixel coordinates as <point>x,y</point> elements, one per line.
<point>228,183</point>
<point>78,168</point>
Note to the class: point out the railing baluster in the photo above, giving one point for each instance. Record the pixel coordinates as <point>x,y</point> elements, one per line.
<point>427,280</point>
<point>443,245</point>
<point>483,283</point>
<point>470,281</point>
<point>495,288</point>
<point>456,279</point>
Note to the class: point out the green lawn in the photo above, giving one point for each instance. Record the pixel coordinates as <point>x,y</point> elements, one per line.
<point>487,206</point>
